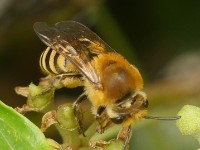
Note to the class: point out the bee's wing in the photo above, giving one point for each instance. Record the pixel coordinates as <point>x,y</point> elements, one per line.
<point>75,42</point>
<point>82,38</point>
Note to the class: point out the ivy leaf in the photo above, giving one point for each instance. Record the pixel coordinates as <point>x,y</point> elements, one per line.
<point>18,133</point>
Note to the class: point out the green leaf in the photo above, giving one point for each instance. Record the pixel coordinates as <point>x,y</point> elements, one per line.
<point>18,133</point>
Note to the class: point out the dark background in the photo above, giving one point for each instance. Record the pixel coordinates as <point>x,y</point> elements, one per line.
<point>162,38</point>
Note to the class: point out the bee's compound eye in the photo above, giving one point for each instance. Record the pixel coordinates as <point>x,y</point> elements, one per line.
<point>117,120</point>
<point>146,104</point>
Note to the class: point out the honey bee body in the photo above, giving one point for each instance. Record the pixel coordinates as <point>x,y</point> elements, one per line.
<point>118,77</point>
<point>78,57</point>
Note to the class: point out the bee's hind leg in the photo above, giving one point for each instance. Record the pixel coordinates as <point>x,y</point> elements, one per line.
<point>77,112</point>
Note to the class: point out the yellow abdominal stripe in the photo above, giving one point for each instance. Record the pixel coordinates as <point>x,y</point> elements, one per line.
<point>43,61</point>
<point>52,62</point>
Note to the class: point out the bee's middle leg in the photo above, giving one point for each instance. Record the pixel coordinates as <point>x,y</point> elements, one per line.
<point>78,113</point>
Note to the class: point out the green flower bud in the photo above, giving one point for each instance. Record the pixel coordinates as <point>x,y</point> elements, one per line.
<point>65,117</point>
<point>39,97</point>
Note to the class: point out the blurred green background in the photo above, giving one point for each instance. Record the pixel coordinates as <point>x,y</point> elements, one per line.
<point>162,38</point>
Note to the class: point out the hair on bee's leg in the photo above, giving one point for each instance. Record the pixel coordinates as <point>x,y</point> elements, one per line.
<point>78,113</point>
<point>50,84</point>
<point>125,135</point>
<point>102,119</point>
<point>69,80</point>
<point>47,83</point>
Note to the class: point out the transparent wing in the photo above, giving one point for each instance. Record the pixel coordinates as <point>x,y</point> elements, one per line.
<point>82,38</point>
<point>75,42</point>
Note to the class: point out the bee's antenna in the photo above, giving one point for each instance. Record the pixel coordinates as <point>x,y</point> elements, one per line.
<point>162,118</point>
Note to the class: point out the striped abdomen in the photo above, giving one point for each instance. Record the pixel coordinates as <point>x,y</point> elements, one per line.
<point>52,62</point>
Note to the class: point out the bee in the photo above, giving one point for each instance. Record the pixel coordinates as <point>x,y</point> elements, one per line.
<point>76,56</point>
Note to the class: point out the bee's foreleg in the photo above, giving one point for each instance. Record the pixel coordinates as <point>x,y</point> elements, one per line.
<point>78,113</point>
<point>121,142</point>
<point>125,135</point>
<point>103,119</point>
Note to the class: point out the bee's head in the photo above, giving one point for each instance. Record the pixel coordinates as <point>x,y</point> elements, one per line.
<point>129,109</point>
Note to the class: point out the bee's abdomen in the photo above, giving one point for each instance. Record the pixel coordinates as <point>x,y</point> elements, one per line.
<point>52,62</point>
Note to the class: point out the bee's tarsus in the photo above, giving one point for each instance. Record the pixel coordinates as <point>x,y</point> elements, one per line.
<point>125,135</point>
<point>129,131</point>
